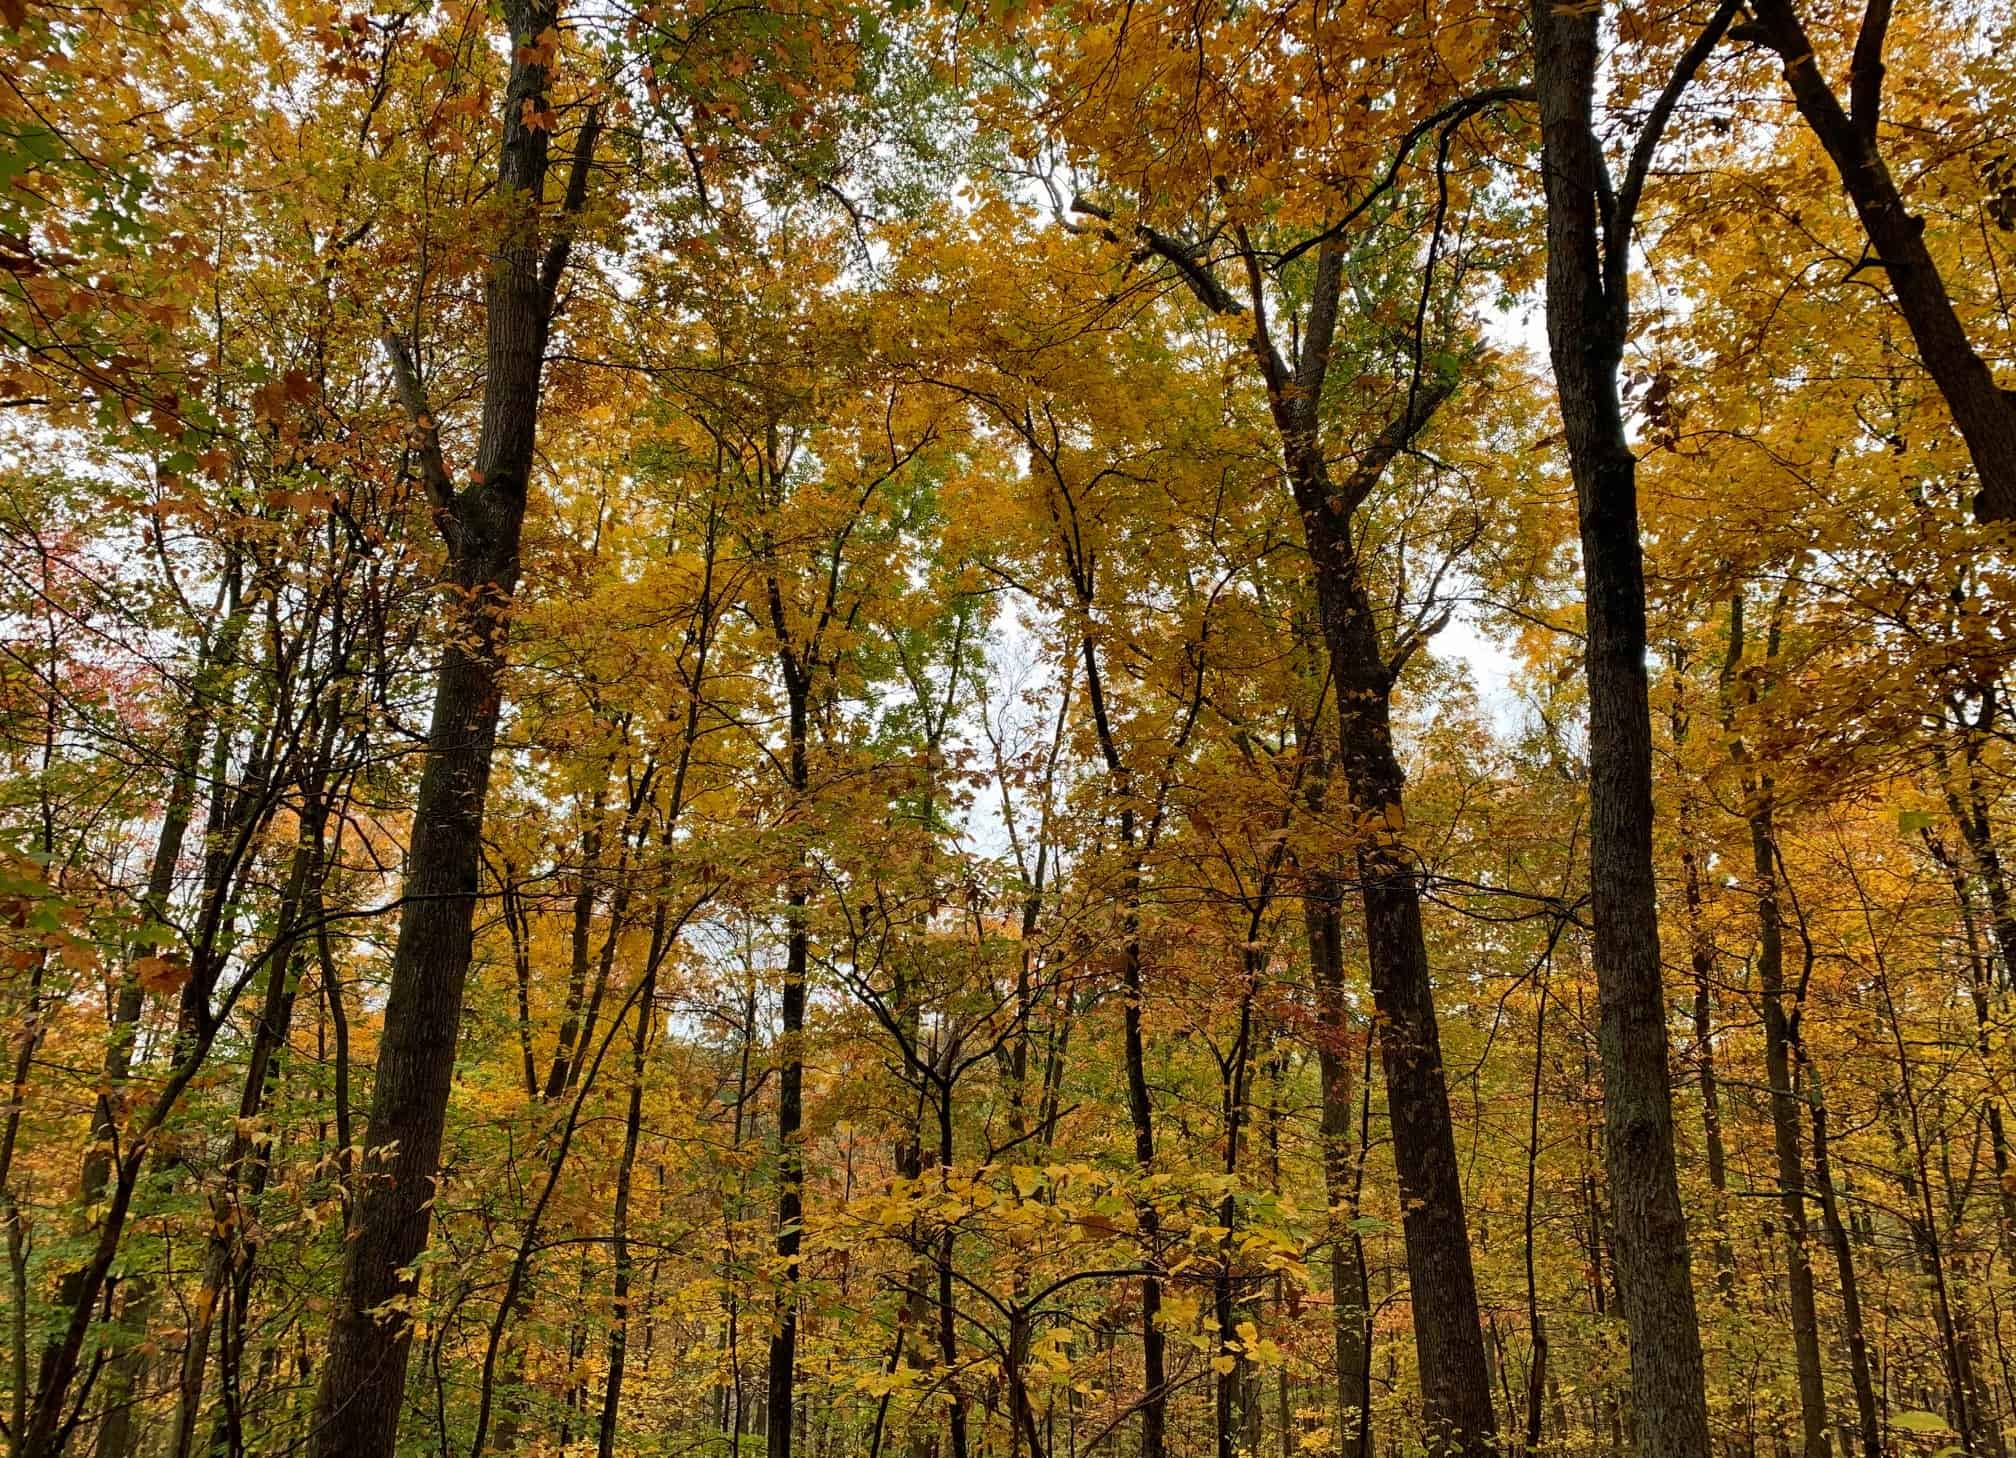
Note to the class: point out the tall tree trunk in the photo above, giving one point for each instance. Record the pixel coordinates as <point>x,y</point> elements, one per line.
<point>362,1392</point>
<point>619,1228</point>
<point>1781,1032</point>
<point>1449,1339</point>
<point>1154,1405</point>
<point>1141,1115</point>
<point>1588,320</point>
<point>1457,1410</point>
<point>1868,1418</point>
<point>1536,1370</point>
<point>1350,1330</point>
<point>783,1368</point>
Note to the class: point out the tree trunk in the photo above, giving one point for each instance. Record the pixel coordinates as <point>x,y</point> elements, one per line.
<point>362,1393</point>
<point>1350,1334</point>
<point>1868,1419</point>
<point>1588,312</point>
<point>619,1230</point>
<point>790,1108</point>
<point>1456,1401</point>
<point>1781,1032</point>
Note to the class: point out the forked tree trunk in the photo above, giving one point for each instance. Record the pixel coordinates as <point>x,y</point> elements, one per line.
<point>362,1393</point>
<point>1588,320</point>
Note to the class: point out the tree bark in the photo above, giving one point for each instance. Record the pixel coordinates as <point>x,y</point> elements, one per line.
<point>362,1393</point>
<point>1588,320</point>
<point>1350,1337</point>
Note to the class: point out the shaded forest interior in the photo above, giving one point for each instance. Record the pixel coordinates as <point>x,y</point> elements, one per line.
<point>902,729</point>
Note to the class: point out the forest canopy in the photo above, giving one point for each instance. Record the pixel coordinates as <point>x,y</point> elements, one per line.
<point>1020,729</point>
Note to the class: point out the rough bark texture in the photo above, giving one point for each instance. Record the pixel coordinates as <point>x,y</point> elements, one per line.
<point>358,1407</point>
<point>1588,251</point>
<point>1457,1412</point>
<point>1449,1342</point>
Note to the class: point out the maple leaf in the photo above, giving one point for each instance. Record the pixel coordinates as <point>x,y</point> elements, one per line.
<point>163,976</point>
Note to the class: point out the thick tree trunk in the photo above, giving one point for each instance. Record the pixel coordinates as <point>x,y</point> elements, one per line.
<point>1588,243</point>
<point>1449,1340</point>
<point>362,1393</point>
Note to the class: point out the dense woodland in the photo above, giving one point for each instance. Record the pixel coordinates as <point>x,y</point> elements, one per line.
<point>1007,729</point>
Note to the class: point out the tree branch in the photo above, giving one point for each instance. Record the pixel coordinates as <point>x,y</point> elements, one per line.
<point>576,197</point>
<point>426,433</point>
<point>1459,110</point>
<point>1865,70</point>
<point>1624,210</point>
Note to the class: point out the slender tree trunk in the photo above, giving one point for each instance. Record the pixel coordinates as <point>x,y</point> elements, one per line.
<point>619,1231</point>
<point>578,941</point>
<point>1588,314</point>
<point>118,1433</point>
<point>1786,1143</point>
<point>362,1392</point>
<point>1141,1114</point>
<point>1536,1370</point>
<point>1701,963</point>
<point>783,1369</point>
<point>1350,1333</point>
<point>1154,1405</point>
<point>1781,1032</point>
<point>1868,1419</point>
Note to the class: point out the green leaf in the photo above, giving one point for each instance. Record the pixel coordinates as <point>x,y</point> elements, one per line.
<point>1920,1421</point>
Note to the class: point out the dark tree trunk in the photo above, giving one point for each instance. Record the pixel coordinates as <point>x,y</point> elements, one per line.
<point>619,1230</point>
<point>1141,1114</point>
<point>362,1393</point>
<point>1448,1337</point>
<point>1781,1034</point>
<point>790,1103</point>
<point>1351,1336</point>
<point>564,1056</point>
<point>1868,1420</point>
<point>1588,313</point>
<point>1457,1409</point>
<point>1701,963</point>
<point>1984,412</point>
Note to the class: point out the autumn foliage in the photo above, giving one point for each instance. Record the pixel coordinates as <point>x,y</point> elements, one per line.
<point>918,730</point>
